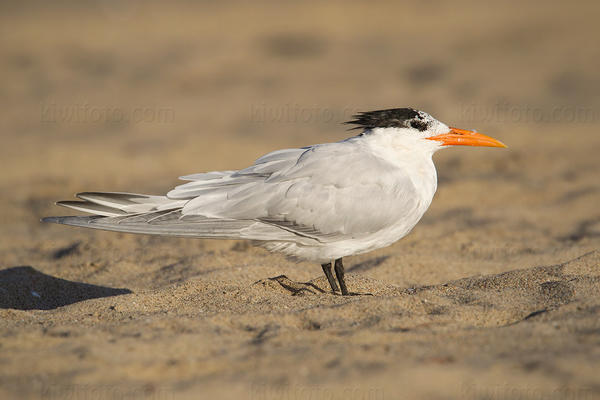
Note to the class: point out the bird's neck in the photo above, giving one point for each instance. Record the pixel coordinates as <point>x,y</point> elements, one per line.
<point>410,154</point>
<point>400,149</point>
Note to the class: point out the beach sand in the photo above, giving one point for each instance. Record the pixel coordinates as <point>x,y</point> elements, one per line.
<point>494,295</point>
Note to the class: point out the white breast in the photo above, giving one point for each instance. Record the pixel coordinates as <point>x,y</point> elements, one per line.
<point>390,194</point>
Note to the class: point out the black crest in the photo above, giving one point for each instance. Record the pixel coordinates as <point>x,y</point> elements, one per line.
<point>391,118</point>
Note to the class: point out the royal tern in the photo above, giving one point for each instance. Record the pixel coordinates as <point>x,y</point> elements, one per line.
<point>318,203</point>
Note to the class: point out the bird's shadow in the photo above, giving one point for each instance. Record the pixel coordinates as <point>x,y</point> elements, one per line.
<point>25,288</point>
<point>296,288</point>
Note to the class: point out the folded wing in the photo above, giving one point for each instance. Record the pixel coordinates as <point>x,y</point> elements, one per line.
<point>311,195</point>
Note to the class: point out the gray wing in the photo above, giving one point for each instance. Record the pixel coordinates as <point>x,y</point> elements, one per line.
<point>326,192</point>
<point>170,223</point>
<point>310,195</point>
<point>162,215</point>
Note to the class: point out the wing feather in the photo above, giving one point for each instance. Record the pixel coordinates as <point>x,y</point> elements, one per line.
<point>327,192</point>
<point>195,228</point>
<point>311,196</point>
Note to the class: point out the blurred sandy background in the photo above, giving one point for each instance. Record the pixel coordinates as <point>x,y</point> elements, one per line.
<point>493,296</point>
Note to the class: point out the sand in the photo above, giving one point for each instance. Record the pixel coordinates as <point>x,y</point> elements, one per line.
<point>494,295</point>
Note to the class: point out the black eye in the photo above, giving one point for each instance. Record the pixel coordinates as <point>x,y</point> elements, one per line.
<point>418,125</point>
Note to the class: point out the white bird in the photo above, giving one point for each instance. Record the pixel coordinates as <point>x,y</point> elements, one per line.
<point>318,203</point>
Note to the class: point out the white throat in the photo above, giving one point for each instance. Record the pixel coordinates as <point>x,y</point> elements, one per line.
<point>410,152</point>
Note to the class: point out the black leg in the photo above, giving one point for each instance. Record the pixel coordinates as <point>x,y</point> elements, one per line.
<point>329,275</point>
<point>339,272</point>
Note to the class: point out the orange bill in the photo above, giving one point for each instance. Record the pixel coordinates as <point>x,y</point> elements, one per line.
<point>463,137</point>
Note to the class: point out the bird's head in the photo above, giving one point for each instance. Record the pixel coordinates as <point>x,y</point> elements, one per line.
<point>418,127</point>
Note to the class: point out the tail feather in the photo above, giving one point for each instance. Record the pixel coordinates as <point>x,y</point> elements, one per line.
<point>93,208</point>
<point>110,204</point>
<point>116,199</point>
